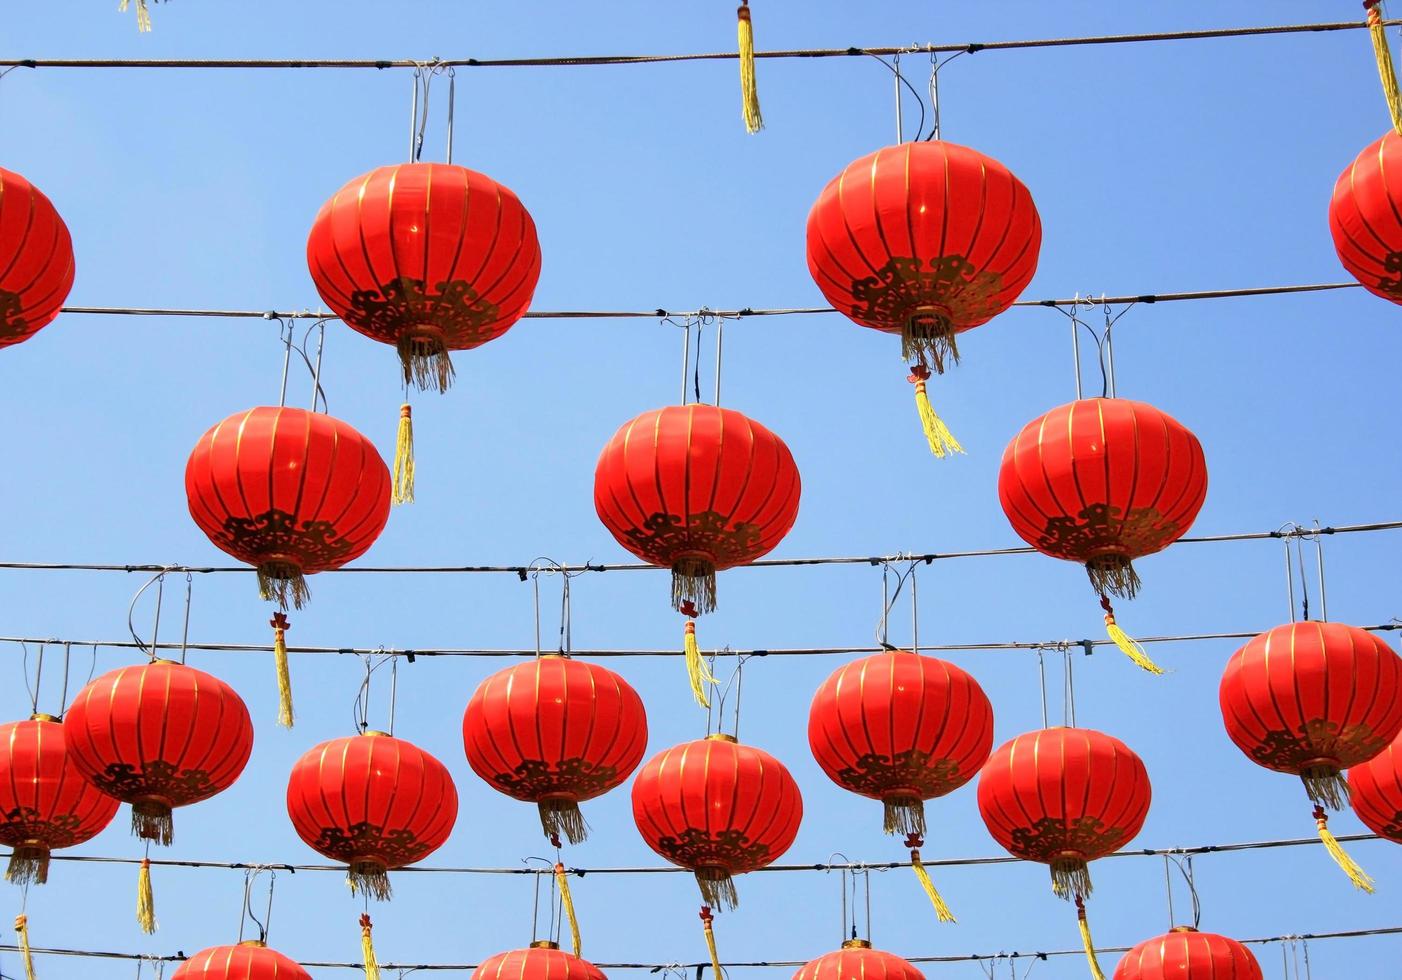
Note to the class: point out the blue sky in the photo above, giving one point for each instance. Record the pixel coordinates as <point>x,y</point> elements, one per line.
<point>1155,167</point>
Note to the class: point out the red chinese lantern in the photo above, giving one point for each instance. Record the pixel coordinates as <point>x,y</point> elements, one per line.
<point>717,808</point>
<point>1064,797</point>
<point>1186,954</point>
<point>36,260</point>
<point>544,960</point>
<point>249,960</point>
<point>555,732</point>
<point>428,257</point>
<point>158,736</point>
<point>373,802</point>
<point>1364,218</point>
<point>1375,789</point>
<point>290,492</point>
<point>1314,699</point>
<point>1102,481</point>
<point>856,960</point>
<point>45,802</point>
<point>925,240</point>
<point>901,728</point>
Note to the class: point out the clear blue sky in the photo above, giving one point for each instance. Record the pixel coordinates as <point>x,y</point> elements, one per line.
<point>1156,167</point>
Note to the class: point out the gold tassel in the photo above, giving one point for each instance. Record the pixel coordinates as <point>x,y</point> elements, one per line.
<point>1386,72</point>
<point>937,434</point>
<point>22,930</point>
<point>696,670</point>
<point>145,899</point>
<point>1128,645</point>
<point>280,627</point>
<point>567,900</point>
<point>914,842</point>
<point>404,458</point>
<point>1086,941</point>
<point>143,15</point>
<point>749,91</point>
<point>706,918</point>
<point>1360,878</point>
<point>367,949</point>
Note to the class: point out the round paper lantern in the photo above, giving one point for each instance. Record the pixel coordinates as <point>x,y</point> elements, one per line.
<point>158,736</point>
<point>696,488</point>
<point>36,260</point>
<point>290,492</point>
<point>1375,788</point>
<point>373,802</point>
<point>1364,218</point>
<point>45,802</point>
<point>1064,797</point>
<point>555,732</point>
<point>1186,954</point>
<point>428,257</point>
<point>250,960</point>
<point>717,808</point>
<point>901,728</point>
<point>856,960</point>
<point>544,960</point>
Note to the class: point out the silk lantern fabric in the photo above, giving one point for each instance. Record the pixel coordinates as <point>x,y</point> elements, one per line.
<point>542,961</point>
<point>1365,218</point>
<point>555,732</point>
<point>697,489</point>
<point>856,960</point>
<point>36,260</point>
<point>1375,789</point>
<point>249,960</point>
<point>1186,954</point>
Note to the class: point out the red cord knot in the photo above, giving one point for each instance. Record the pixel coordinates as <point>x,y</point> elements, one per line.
<point>919,373</point>
<point>1371,4</point>
<point>707,917</point>
<point>688,608</point>
<point>914,841</point>
<point>365,921</point>
<point>1109,610</point>
<point>1320,817</point>
<point>279,622</point>
<point>1080,908</point>
<point>555,841</point>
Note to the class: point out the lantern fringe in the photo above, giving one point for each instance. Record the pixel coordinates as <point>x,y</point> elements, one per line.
<point>749,88</point>
<point>367,948</point>
<point>280,627</point>
<point>561,816</point>
<point>717,888</point>
<point>942,912</point>
<point>403,492</point>
<point>22,931</point>
<point>1113,574</point>
<point>694,581</point>
<point>1087,942</point>
<point>928,339</point>
<point>279,581</point>
<point>562,879</point>
<point>426,362</point>
<point>937,434</point>
<point>706,918</point>
<point>1326,786</point>
<point>903,815</point>
<point>143,14</point>
<point>1070,878</point>
<point>1360,878</point>
<point>1127,644</point>
<point>152,820</point>
<point>369,876</point>
<point>1386,72</point>
<point>29,864</point>
<point>697,671</point>
<point>145,899</point>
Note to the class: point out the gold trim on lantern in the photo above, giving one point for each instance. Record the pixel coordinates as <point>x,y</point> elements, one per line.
<point>722,737</point>
<point>544,944</point>
<point>856,944</point>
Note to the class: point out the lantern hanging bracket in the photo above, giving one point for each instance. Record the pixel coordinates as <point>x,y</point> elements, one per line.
<point>250,876</point>
<point>736,681</point>
<point>360,708</point>
<point>424,72</point>
<point>158,580</point>
<point>889,597</point>
<point>935,66</point>
<point>903,85</point>
<point>1104,344</point>
<point>548,870</point>
<point>1294,536</point>
<point>1185,868</point>
<point>550,566</point>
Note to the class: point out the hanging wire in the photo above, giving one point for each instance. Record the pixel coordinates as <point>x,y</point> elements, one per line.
<point>285,333</point>
<point>158,580</point>
<point>889,596</point>
<point>935,66</point>
<point>360,709</point>
<point>249,877</point>
<point>1042,677</point>
<point>1293,536</point>
<point>67,659</point>
<point>317,392</point>
<point>1069,692</point>
<point>894,69</point>
<point>185,629</point>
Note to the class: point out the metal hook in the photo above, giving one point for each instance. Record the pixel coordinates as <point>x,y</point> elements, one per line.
<point>157,580</point>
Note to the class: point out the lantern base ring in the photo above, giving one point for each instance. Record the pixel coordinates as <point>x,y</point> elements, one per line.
<point>423,354</point>
<point>904,814</point>
<point>928,337</point>
<point>152,819</point>
<point>1325,785</point>
<point>371,876</point>
<point>694,581</point>
<point>560,817</point>
<point>282,580</point>
<point>717,888</point>
<point>29,864</point>
<point>1070,876</point>
<point>1113,574</point>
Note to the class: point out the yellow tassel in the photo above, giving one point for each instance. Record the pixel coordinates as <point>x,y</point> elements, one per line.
<point>1128,645</point>
<point>937,434</point>
<point>145,899</point>
<point>749,91</point>
<point>280,627</point>
<point>1086,941</point>
<point>1386,72</point>
<point>696,670</point>
<point>22,930</point>
<point>404,458</point>
<point>566,899</point>
<point>1360,878</point>
<point>706,918</point>
<point>941,909</point>
<point>367,949</point>
<point>143,15</point>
